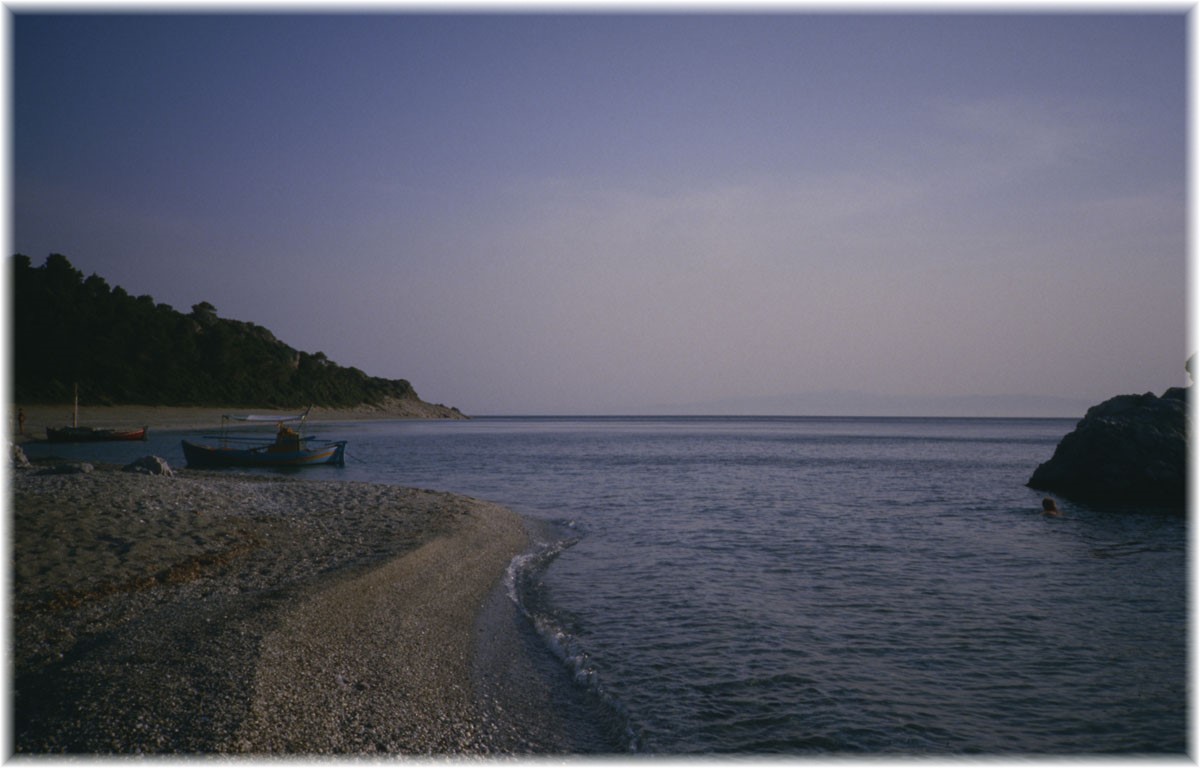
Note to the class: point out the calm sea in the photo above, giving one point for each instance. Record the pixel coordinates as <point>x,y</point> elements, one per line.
<point>814,586</point>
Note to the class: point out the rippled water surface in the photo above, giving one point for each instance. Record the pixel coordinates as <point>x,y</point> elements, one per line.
<point>801,586</point>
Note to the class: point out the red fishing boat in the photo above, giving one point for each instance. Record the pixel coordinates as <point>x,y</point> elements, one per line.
<point>78,434</point>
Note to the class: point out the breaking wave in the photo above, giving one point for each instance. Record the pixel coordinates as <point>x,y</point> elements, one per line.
<point>523,581</point>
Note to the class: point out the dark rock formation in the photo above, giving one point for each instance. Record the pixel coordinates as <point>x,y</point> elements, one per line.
<point>1131,449</point>
<point>150,465</point>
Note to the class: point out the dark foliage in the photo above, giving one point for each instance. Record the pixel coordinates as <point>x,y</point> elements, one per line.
<point>124,349</point>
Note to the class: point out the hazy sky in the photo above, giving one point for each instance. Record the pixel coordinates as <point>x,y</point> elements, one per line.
<point>602,214</point>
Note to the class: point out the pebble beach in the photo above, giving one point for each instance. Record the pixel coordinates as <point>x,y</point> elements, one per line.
<point>209,612</point>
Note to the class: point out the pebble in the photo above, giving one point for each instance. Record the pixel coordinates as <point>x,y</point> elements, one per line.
<point>284,578</point>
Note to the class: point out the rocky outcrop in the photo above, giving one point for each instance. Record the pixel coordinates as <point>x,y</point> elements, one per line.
<point>1131,449</point>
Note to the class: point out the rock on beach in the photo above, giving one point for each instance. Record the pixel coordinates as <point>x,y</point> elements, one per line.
<point>150,465</point>
<point>214,613</point>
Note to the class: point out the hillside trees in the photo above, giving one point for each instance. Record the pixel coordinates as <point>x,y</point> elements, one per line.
<point>123,349</point>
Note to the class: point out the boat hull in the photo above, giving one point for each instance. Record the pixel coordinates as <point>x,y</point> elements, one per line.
<point>208,456</point>
<point>92,435</point>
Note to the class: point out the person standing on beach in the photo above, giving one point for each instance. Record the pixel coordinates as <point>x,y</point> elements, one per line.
<point>21,422</point>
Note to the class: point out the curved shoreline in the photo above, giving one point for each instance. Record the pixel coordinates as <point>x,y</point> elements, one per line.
<point>381,662</point>
<point>204,613</point>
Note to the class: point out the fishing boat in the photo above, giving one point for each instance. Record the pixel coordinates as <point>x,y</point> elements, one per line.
<point>288,449</point>
<point>78,434</point>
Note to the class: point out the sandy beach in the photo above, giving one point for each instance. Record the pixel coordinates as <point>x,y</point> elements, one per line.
<point>218,613</point>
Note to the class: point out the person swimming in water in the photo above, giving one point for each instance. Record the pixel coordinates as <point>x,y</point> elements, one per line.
<point>1049,508</point>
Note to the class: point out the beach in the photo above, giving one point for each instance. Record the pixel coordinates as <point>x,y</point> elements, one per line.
<point>207,612</point>
<point>39,416</point>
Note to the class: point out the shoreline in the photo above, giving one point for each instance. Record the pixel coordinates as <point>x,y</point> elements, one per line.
<point>38,417</point>
<point>217,614</point>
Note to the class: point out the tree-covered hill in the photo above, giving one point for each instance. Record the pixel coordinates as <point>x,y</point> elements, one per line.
<point>123,349</point>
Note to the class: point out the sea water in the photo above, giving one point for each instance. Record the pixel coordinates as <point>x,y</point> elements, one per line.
<point>816,586</point>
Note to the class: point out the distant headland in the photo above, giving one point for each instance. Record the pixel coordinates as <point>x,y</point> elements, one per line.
<point>124,350</point>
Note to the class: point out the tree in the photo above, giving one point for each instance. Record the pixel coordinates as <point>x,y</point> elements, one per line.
<point>124,349</point>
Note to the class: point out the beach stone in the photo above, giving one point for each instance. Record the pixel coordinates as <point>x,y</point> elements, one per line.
<point>150,465</point>
<point>80,468</point>
<point>1128,450</point>
<point>19,459</point>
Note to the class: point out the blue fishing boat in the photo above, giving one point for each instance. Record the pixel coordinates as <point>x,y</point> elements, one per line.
<point>288,449</point>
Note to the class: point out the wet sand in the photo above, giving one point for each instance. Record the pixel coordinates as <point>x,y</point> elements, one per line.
<point>217,613</point>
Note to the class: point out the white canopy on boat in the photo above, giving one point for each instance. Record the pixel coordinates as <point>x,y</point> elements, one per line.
<point>254,417</point>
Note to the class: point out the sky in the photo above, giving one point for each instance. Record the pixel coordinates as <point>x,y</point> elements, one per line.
<point>603,213</point>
